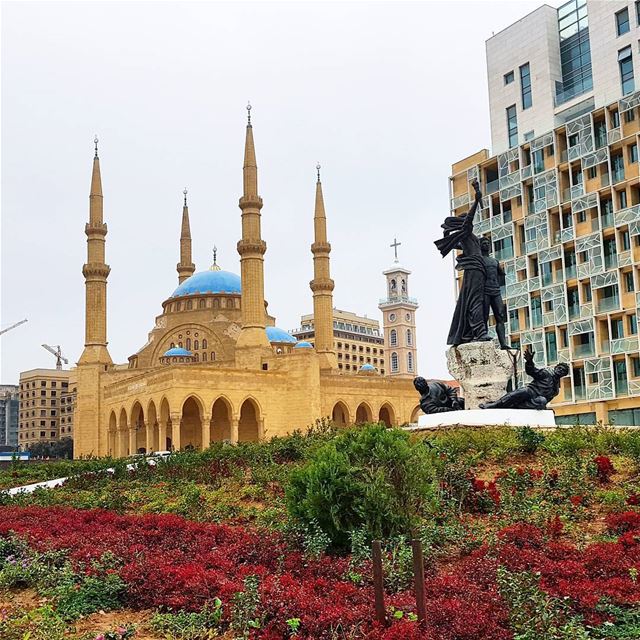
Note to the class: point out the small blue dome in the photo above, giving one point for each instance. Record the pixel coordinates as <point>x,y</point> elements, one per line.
<point>177,351</point>
<point>367,367</point>
<point>209,282</point>
<point>275,334</point>
<point>303,344</point>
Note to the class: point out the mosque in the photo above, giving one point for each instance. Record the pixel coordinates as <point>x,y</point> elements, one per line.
<point>215,367</point>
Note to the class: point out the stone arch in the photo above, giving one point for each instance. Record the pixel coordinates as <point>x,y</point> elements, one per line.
<point>363,413</point>
<point>249,422</point>
<point>387,415</point>
<point>221,412</point>
<point>191,423</point>
<point>113,434</point>
<point>122,446</point>
<point>152,427</point>
<point>416,413</point>
<point>138,424</point>
<point>164,427</point>
<point>340,414</point>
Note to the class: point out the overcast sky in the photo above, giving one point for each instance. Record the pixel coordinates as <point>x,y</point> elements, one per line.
<point>384,95</point>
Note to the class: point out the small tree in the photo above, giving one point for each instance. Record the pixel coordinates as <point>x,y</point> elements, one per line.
<point>369,478</point>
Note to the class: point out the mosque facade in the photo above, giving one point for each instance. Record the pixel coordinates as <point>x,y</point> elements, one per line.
<point>215,367</point>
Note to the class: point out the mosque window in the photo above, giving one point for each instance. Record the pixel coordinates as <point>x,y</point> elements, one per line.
<point>410,361</point>
<point>393,337</point>
<point>180,344</point>
<point>189,304</point>
<point>204,343</point>
<point>213,356</point>
<point>173,345</point>
<point>201,303</point>
<point>197,357</point>
<point>178,306</point>
<point>409,337</point>
<point>196,344</point>
<point>216,303</point>
<point>394,361</point>
<point>204,357</point>
<point>188,344</point>
<point>175,359</point>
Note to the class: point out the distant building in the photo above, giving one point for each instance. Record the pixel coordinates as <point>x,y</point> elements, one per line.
<point>47,400</point>
<point>357,340</point>
<point>9,403</point>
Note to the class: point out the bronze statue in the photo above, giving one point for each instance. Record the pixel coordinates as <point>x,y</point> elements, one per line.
<point>437,397</point>
<point>492,297</point>
<point>469,322</point>
<point>544,387</point>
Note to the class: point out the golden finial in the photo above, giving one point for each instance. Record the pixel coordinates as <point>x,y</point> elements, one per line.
<point>318,170</point>
<point>214,266</point>
<point>248,114</point>
<point>95,142</point>
<point>185,196</point>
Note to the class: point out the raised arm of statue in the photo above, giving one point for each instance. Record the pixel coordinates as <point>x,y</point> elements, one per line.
<point>468,222</point>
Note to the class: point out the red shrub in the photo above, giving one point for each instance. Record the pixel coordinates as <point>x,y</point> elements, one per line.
<point>604,468</point>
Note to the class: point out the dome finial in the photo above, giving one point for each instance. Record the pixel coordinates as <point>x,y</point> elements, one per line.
<point>318,167</point>
<point>248,114</point>
<point>95,142</point>
<point>185,196</point>
<point>214,266</point>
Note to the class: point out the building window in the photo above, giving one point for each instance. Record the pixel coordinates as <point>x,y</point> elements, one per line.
<point>204,343</point>
<point>625,62</point>
<point>213,356</point>
<point>508,77</point>
<point>626,240</point>
<point>633,324</point>
<point>525,85</point>
<point>629,116</point>
<point>622,200</point>
<point>617,328</point>
<point>393,338</point>
<point>633,153</point>
<point>622,22</point>
<point>628,281</point>
<point>410,362</point>
<point>592,172</point>
<point>196,344</point>
<point>201,303</point>
<point>394,362</point>
<point>409,337</point>
<point>512,125</point>
<point>188,344</point>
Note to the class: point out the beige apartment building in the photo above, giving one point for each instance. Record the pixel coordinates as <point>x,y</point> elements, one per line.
<point>357,340</point>
<point>47,401</point>
<point>561,198</point>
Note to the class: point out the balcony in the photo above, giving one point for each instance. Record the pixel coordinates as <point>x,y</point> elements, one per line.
<point>611,261</point>
<point>604,180</point>
<point>611,303</point>
<point>607,219</point>
<point>584,350</point>
<point>493,186</point>
<point>618,175</point>
<point>580,392</point>
<point>570,272</point>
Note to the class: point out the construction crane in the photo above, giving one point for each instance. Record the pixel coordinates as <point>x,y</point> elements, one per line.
<point>13,326</point>
<point>58,354</point>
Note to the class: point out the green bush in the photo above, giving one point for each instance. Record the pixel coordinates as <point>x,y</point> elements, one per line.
<point>529,439</point>
<point>370,478</point>
<point>190,626</point>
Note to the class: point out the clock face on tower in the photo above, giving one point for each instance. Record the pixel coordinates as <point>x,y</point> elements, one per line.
<point>392,317</point>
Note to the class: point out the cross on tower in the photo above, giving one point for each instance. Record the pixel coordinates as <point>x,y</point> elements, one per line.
<point>395,246</point>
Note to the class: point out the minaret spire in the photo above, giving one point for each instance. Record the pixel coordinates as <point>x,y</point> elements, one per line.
<point>322,284</point>
<point>185,267</point>
<point>252,248</point>
<point>95,273</point>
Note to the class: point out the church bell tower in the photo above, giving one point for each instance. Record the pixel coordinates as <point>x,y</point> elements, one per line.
<point>399,321</point>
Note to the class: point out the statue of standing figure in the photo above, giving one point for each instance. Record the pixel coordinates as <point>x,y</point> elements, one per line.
<point>493,301</point>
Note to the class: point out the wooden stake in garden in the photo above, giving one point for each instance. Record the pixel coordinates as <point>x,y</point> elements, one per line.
<point>378,582</point>
<point>418,580</point>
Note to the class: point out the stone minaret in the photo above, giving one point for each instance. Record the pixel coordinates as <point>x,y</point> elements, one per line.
<point>322,286</point>
<point>95,273</point>
<point>185,267</point>
<point>251,249</point>
<point>399,322</point>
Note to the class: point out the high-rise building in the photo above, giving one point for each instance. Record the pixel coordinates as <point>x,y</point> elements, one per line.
<point>561,198</point>
<point>357,340</point>
<point>47,400</point>
<point>9,402</point>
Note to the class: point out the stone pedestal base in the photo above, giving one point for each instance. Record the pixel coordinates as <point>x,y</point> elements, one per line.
<point>487,418</point>
<point>482,370</point>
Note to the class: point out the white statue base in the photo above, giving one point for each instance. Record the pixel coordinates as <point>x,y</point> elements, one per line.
<point>482,370</point>
<point>487,418</point>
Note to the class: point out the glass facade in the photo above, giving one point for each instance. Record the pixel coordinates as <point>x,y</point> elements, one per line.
<point>525,85</point>
<point>512,125</point>
<point>575,51</point>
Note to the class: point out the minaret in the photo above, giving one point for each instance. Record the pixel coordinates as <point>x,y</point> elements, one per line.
<point>322,285</point>
<point>251,249</point>
<point>95,273</point>
<point>399,321</point>
<point>185,267</point>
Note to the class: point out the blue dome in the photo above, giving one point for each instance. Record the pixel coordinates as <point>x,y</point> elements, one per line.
<point>367,367</point>
<point>209,282</point>
<point>178,351</point>
<point>275,334</point>
<point>303,344</point>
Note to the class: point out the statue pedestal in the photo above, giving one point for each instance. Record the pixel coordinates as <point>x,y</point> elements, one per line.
<point>487,418</point>
<point>482,370</point>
